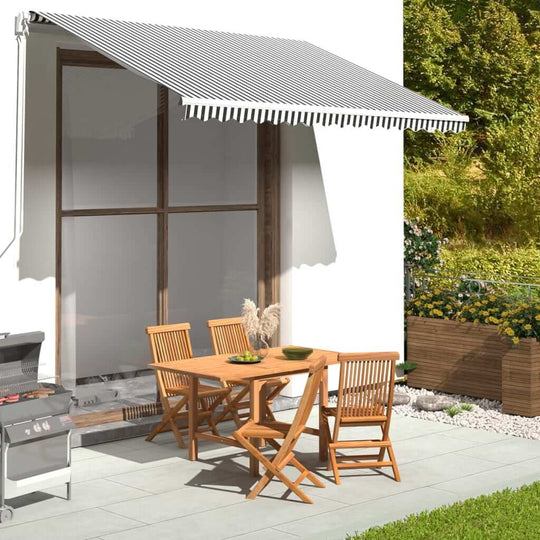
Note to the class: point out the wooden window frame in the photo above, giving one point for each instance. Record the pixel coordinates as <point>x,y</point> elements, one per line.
<point>267,205</point>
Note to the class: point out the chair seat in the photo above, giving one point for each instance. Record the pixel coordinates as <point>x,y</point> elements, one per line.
<point>265,430</point>
<point>367,416</point>
<point>204,391</point>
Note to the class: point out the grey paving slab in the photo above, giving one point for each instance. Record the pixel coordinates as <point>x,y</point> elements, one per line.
<point>338,523</point>
<point>426,446</point>
<point>405,427</point>
<point>175,476</point>
<point>52,502</point>
<point>510,450</point>
<point>186,501</point>
<point>107,465</point>
<point>475,435</point>
<point>236,519</point>
<point>508,476</point>
<point>265,534</point>
<point>73,526</point>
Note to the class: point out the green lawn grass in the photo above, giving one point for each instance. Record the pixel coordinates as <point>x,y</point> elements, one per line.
<point>502,516</point>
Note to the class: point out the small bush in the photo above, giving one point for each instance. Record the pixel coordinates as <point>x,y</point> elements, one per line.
<point>453,411</point>
<point>498,262</point>
<point>422,247</point>
<point>466,407</point>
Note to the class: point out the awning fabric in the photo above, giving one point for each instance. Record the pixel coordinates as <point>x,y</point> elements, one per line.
<point>240,77</point>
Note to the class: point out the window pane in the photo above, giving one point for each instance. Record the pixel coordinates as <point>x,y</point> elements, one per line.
<point>109,139</point>
<point>108,293</point>
<point>212,268</point>
<point>211,162</point>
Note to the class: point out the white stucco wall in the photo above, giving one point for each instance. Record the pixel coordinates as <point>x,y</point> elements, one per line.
<point>341,222</point>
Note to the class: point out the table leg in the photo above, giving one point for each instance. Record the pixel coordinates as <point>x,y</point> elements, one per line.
<point>257,415</point>
<point>193,421</point>
<point>323,402</point>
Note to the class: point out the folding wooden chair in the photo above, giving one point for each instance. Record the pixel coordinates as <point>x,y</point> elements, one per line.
<point>169,343</point>
<point>271,430</point>
<point>230,337</point>
<point>366,391</point>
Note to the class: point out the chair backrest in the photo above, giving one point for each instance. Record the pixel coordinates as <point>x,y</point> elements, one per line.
<point>366,384</point>
<point>168,343</point>
<point>229,336</point>
<point>308,399</point>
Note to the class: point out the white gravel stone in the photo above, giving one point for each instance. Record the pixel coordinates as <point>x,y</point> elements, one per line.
<point>486,414</point>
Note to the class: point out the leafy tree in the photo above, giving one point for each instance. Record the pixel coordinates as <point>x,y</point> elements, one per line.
<point>511,186</point>
<point>482,58</point>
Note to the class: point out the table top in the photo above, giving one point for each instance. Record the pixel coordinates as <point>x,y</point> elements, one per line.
<point>219,368</point>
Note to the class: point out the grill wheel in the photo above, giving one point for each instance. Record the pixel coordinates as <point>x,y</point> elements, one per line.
<point>6,513</point>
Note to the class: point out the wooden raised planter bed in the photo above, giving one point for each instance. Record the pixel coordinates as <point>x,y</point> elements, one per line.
<point>462,358</point>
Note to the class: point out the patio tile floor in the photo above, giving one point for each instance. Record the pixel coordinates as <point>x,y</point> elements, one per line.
<point>132,489</point>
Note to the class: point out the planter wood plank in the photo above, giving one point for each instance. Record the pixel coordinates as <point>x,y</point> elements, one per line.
<point>454,357</point>
<point>461,358</point>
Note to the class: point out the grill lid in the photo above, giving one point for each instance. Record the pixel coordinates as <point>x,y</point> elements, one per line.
<point>19,361</point>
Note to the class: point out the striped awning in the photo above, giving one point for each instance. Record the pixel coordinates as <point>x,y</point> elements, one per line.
<point>227,76</point>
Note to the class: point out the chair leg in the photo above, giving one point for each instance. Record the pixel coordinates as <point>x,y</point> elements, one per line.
<point>168,418</point>
<point>230,407</point>
<point>397,476</point>
<point>333,463</point>
<point>177,434</point>
<point>272,469</point>
<point>326,427</point>
<point>307,473</point>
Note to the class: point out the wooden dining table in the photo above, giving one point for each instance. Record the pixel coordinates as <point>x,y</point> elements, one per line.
<point>219,368</point>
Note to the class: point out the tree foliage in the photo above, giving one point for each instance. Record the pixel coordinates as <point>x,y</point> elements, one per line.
<point>482,58</point>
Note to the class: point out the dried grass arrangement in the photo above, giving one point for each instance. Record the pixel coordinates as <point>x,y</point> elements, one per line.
<point>264,327</point>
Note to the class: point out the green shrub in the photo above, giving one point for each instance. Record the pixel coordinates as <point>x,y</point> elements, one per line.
<point>422,247</point>
<point>452,411</point>
<point>466,407</point>
<point>491,262</point>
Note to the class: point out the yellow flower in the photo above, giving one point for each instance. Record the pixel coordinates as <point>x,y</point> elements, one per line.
<point>515,340</point>
<point>505,323</point>
<point>437,291</point>
<point>484,302</point>
<point>475,322</point>
<point>537,318</point>
<point>478,304</point>
<point>472,310</point>
<point>421,314</point>
<point>492,298</point>
<point>527,327</point>
<point>509,332</point>
<point>409,312</point>
<point>423,297</point>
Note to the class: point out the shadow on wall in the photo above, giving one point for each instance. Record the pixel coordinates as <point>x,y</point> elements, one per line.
<point>307,236</point>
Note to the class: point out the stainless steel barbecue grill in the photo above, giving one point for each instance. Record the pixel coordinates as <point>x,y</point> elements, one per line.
<point>35,427</point>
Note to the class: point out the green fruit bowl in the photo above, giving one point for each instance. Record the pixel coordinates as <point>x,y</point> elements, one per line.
<point>296,353</point>
<point>244,360</point>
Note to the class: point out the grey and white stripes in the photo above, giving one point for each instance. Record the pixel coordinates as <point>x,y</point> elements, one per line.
<point>242,77</point>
